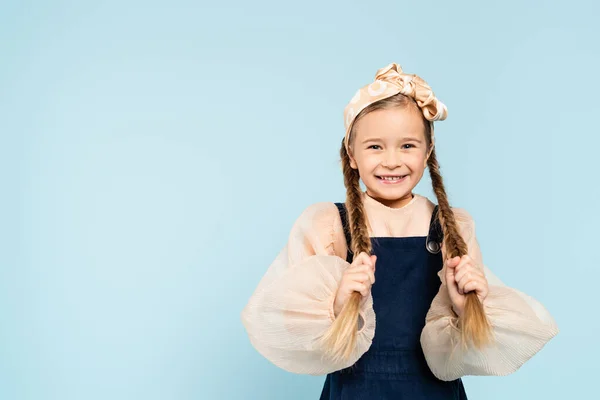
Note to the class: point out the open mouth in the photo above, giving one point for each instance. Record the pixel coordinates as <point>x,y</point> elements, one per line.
<point>391,178</point>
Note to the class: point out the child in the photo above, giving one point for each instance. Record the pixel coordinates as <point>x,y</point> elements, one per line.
<point>387,293</point>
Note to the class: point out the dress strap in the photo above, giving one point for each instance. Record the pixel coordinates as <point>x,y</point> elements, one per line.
<point>344,217</point>
<point>436,234</point>
<point>433,243</point>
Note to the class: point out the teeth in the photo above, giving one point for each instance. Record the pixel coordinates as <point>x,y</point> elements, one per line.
<point>392,178</point>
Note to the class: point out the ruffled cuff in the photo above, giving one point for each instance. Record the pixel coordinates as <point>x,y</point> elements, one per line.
<point>287,319</point>
<point>520,326</point>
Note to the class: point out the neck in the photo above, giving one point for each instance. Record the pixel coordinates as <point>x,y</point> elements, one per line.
<point>393,203</point>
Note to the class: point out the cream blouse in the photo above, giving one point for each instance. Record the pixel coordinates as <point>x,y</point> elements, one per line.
<point>292,306</point>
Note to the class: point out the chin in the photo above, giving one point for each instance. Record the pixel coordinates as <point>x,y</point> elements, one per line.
<point>392,194</point>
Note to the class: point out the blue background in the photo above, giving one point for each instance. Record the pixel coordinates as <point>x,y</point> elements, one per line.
<point>155,154</point>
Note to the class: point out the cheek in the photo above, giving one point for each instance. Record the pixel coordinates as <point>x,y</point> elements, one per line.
<point>416,162</point>
<point>368,161</point>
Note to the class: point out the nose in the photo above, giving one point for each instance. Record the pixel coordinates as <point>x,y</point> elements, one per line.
<point>391,159</point>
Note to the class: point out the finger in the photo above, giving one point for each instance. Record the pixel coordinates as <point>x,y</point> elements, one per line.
<point>472,286</point>
<point>467,284</point>
<point>359,277</point>
<point>358,260</point>
<point>456,261</point>
<point>365,273</point>
<point>370,278</point>
<point>366,258</point>
<point>452,262</point>
<point>462,261</point>
<point>468,270</point>
<point>360,268</point>
<point>374,261</point>
<point>466,260</point>
<point>363,277</point>
<point>479,287</point>
<point>451,283</point>
<point>363,269</point>
<point>452,288</point>
<point>459,288</point>
<point>367,269</point>
<point>460,265</point>
<point>473,273</point>
<point>465,276</point>
<point>450,274</point>
<point>362,258</point>
<point>359,287</point>
<point>461,283</point>
<point>460,274</point>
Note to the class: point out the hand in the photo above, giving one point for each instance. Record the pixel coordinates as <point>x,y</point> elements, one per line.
<point>462,277</point>
<point>358,277</point>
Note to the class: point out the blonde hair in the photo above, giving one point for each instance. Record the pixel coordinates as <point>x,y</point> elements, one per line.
<point>340,339</point>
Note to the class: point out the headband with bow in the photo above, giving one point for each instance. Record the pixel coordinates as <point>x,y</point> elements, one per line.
<point>390,81</point>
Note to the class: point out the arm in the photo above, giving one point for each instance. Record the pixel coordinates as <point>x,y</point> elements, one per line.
<point>292,307</point>
<point>521,326</point>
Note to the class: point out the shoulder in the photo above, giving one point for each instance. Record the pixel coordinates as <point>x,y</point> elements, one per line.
<point>462,216</point>
<point>321,218</point>
<point>321,222</point>
<point>424,203</point>
<point>319,214</point>
<point>464,221</point>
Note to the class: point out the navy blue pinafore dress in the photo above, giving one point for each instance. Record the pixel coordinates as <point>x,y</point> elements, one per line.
<point>394,367</point>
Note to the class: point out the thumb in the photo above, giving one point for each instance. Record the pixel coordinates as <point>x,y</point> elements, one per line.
<point>453,262</point>
<point>450,280</point>
<point>449,271</point>
<point>373,261</point>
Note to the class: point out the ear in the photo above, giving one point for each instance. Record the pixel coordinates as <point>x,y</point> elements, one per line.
<point>429,154</point>
<point>353,163</point>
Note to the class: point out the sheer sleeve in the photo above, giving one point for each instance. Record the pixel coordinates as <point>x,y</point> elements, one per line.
<point>521,325</point>
<point>292,306</point>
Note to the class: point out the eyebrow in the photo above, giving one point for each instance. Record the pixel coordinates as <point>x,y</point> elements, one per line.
<point>404,139</point>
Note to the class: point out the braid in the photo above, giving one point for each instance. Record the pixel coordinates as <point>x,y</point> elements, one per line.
<point>340,339</point>
<point>474,324</point>
<point>455,244</point>
<point>361,242</point>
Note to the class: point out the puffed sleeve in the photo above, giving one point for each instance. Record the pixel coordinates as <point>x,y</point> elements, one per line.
<point>521,326</point>
<point>292,306</point>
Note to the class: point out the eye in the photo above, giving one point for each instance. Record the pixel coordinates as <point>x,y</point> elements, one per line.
<point>408,146</point>
<point>374,147</point>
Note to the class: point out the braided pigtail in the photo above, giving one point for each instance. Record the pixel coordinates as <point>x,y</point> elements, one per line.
<point>340,339</point>
<point>474,324</point>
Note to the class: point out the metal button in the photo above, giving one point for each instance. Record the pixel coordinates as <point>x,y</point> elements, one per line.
<point>433,247</point>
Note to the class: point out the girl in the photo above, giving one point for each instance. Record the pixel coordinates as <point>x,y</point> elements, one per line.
<point>387,293</point>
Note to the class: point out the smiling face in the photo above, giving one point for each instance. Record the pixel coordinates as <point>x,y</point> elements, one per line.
<point>390,151</point>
